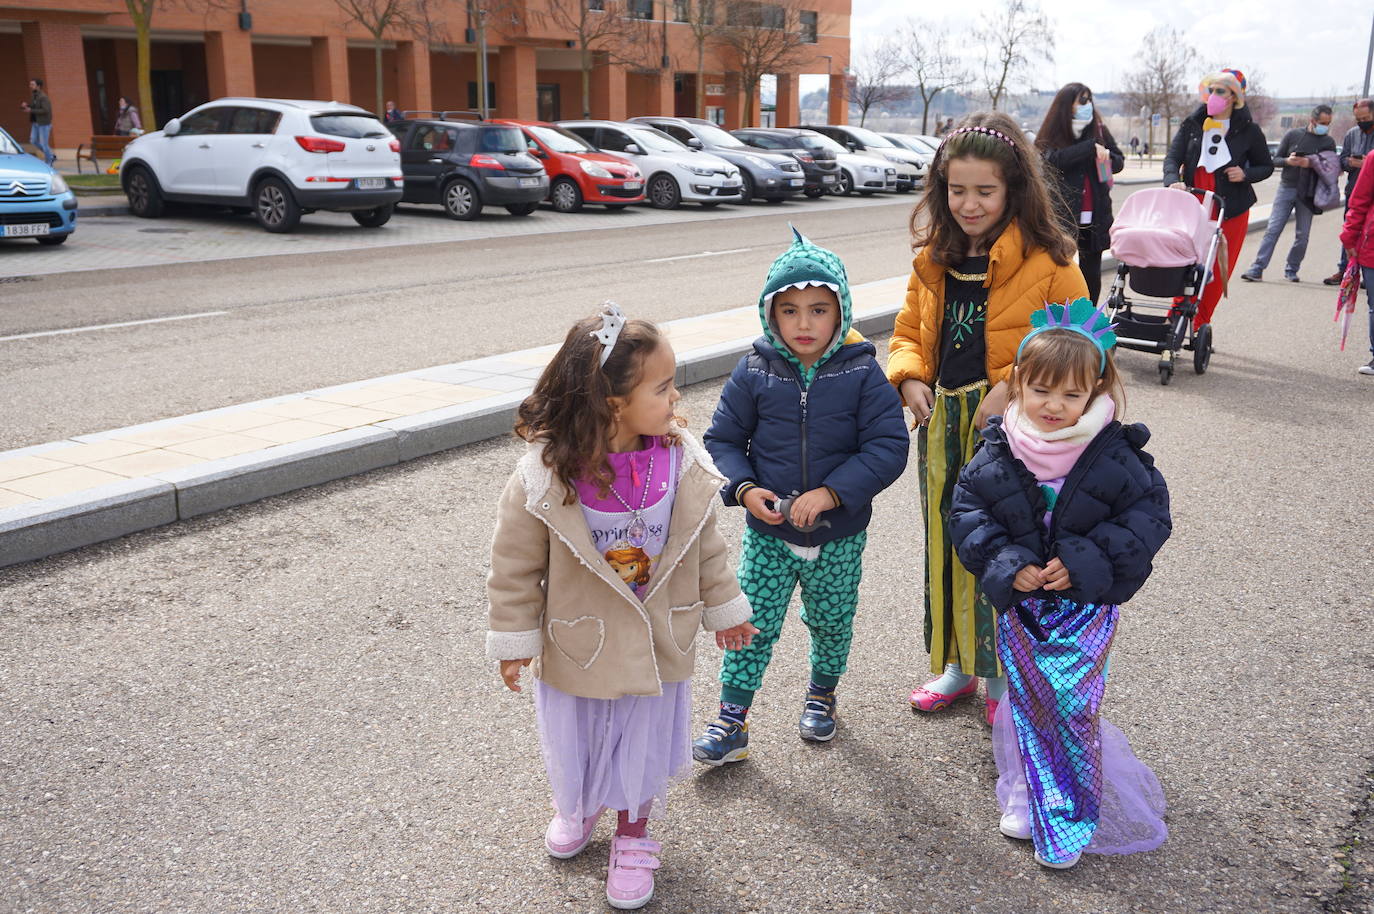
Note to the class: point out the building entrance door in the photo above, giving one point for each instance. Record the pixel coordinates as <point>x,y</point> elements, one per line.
<point>169,94</point>
<point>550,105</point>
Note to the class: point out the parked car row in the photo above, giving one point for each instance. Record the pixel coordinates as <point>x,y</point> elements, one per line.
<point>280,159</point>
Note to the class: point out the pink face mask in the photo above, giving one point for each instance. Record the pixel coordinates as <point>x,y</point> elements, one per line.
<point>1217,104</point>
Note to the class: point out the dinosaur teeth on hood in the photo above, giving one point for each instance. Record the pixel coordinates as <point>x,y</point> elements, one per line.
<point>803,265</point>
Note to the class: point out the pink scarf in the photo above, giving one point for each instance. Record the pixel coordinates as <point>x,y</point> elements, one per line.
<point>1050,455</point>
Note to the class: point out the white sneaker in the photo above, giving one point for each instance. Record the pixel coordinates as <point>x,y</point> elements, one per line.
<point>1015,824</point>
<point>1366,369</point>
<point>1067,864</point>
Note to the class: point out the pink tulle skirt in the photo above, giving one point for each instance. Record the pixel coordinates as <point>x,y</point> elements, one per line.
<point>620,753</point>
<point>1131,814</point>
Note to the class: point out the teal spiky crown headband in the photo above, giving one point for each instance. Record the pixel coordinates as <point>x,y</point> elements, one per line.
<point>1078,316</point>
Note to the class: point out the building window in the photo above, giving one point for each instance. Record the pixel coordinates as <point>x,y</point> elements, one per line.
<point>749,14</point>
<point>682,11</point>
<point>808,26</point>
<point>641,9</point>
<point>599,5</point>
<point>472,95</point>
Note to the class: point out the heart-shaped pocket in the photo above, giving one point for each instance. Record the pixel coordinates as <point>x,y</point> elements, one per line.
<point>580,640</point>
<point>683,623</point>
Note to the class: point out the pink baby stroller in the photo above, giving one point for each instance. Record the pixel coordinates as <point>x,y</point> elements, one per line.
<point>1165,242</point>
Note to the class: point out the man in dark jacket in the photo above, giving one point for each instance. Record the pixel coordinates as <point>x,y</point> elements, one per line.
<point>1355,148</point>
<point>807,433</point>
<point>39,108</point>
<point>1295,149</point>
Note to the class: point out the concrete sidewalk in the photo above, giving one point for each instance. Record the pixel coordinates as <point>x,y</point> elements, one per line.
<point>71,493</point>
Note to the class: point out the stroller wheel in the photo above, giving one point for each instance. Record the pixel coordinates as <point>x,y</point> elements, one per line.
<point>1166,373</point>
<point>1202,348</point>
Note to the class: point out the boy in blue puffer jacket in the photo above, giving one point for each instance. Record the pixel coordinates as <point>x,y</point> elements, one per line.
<point>807,432</point>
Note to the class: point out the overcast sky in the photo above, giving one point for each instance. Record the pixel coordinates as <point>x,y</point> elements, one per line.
<point>1308,47</point>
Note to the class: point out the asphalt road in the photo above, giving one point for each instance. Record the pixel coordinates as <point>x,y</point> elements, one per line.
<point>295,322</point>
<point>285,706</point>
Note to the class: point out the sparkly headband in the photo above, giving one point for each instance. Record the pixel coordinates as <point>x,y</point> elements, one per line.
<point>985,131</point>
<point>612,320</point>
<point>1080,317</point>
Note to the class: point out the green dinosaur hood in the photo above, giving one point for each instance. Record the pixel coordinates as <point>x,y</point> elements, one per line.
<point>806,264</point>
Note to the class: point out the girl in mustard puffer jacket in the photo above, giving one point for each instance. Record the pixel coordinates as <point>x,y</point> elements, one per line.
<point>989,252</point>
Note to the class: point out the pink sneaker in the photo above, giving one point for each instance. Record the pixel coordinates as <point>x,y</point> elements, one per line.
<point>630,877</point>
<point>923,699</point>
<point>566,837</point>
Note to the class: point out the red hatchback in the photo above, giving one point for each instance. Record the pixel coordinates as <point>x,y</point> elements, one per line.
<point>578,173</point>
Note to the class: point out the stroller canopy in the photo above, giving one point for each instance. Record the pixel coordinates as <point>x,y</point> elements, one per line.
<point>1162,227</point>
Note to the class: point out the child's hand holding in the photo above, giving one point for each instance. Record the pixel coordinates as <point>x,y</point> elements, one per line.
<point>809,505</point>
<point>510,672</point>
<point>1028,579</point>
<point>754,502</point>
<point>1056,576</point>
<point>919,398</point>
<point>732,639</point>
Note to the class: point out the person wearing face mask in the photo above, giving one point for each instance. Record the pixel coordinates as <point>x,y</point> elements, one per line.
<point>1220,148</point>
<point>1355,148</point>
<point>1296,151</point>
<point>1082,156</point>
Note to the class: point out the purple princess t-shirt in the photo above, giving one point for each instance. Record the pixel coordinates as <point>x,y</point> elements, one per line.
<point>628,537</point>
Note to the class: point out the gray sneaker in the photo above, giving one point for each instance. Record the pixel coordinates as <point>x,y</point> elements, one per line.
<point>1251,276</point>
<point>1366,369</point>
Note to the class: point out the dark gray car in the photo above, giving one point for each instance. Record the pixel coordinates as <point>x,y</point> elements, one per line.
<point>770,176</point>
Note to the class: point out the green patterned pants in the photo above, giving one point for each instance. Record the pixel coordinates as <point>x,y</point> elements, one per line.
<point>768,574</point>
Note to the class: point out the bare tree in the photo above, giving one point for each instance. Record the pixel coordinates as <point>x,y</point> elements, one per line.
<point>414,18</point>
<point>933,66</point>
<point>141,12</point>
<point>503,15</point>
<point>1161,81</point>
<point>873,77</point>
<point>1014,37</point>
<point>704,22</point>
<point>761,38</point>
<point>597,27</point>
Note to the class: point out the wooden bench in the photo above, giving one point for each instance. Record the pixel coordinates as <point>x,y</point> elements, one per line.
<point>101,146</point>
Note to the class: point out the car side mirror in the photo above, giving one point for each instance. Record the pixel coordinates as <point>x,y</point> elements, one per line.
<point>852,146</point>
<point>634,150</point>
<point>694,143</point>
<point>172,127</point>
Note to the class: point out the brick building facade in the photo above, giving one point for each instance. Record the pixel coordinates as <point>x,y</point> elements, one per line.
<point>85,52</point>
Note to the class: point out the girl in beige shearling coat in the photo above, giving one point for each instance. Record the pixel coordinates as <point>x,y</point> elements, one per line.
<point>608,476</point>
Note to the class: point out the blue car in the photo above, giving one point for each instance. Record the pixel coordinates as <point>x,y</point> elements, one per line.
<point>34,200</point>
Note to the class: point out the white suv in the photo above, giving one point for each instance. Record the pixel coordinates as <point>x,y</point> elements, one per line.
<point>672,172</point>
<point>273,157</point>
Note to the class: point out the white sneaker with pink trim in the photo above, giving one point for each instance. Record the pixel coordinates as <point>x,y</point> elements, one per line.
<point>566,837</point>
<point>630,877</point>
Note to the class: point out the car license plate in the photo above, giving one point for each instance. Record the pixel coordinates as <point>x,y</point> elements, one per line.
<point>529,182</point>
<point>26,231</point>
<point>827,179</point>
<point>797,182</point>
<point>371,183</point>
<point>633,185</point>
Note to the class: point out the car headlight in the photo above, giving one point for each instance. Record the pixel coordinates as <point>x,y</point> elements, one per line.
<point>593,169</point>
<point>57,185</point>
<point>876,169</point>
<point>696,170</point>
<point>898,159</point>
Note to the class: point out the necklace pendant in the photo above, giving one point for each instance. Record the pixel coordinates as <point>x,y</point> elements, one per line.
<point>637,533</point>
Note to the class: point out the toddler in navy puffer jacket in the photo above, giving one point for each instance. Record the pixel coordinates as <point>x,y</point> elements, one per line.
<point>807,432</point>
<point>1060,514</point>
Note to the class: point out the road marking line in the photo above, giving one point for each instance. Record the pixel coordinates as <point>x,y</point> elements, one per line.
<point>702,254</point>
<point>151,320</point>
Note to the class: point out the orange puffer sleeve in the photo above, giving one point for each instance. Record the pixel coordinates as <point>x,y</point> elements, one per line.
<point>911,350</point>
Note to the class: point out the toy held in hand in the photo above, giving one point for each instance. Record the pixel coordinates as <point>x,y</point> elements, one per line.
<point>784,507</point>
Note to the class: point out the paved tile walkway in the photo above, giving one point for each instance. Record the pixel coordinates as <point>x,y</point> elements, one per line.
<point>60,468</point>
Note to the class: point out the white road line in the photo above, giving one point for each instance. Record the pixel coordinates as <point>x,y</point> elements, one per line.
<point>151,320</point>
<point>702,254</point>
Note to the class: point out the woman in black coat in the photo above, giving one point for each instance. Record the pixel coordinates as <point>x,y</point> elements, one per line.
<point>1081,150</point>
<point>1220,148</point>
